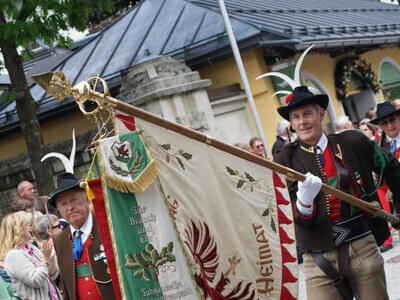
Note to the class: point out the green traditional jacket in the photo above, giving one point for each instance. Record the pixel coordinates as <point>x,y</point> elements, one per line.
<point>360,157</point>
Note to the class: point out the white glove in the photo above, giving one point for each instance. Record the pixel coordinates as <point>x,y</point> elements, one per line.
<point>307,190</point>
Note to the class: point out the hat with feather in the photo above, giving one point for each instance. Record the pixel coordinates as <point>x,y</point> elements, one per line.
<point>65,181</point>
<point>301,95</point>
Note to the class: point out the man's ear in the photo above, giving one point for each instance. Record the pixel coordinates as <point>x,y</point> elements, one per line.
<point>322,113</point>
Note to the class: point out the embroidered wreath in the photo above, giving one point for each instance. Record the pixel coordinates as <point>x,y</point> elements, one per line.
<point>348,67</point>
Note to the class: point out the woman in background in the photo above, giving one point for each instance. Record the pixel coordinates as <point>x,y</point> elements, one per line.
<point>370,130</point>
<point>31,270</point>
<point>6,290</point>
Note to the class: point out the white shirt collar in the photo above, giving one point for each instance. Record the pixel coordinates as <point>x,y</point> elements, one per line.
<point>322,143</point>
<point>86,228</point>
<point>397,139</point>
<point>283,137</point>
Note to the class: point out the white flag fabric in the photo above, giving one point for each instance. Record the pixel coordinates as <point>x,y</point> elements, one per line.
<point>232,219</point>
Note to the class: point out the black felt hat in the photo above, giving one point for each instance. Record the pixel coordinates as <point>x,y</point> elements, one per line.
<point>65,182</point>
<point>299,97</point>
<point>384,110</point>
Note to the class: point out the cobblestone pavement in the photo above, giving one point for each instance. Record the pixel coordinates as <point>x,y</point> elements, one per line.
<point>392,269</point>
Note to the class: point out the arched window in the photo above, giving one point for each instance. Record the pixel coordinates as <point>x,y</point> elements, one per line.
<point>389,75</point>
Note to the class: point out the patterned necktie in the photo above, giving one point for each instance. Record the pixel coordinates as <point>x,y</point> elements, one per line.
<point>320,155</point>
<point>393,146</point>
<point>77,250</point>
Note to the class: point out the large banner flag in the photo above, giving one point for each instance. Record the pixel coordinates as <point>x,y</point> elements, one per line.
<point>190,221</point>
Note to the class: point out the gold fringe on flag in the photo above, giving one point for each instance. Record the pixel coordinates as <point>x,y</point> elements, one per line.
<point>140,184</point>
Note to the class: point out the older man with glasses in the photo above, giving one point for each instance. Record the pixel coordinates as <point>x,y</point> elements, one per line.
<point>257,146</point>
<point>388,119</point>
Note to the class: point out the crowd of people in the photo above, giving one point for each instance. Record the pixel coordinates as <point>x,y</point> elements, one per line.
<point>51,248</point>
<point>340,244</point>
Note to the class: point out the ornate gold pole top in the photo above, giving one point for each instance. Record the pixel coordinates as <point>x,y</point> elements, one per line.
<point>55,83</point>
<point>89,100</point>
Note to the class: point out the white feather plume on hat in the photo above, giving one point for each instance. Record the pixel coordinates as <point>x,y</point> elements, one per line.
<point>293,83</point>
<point>68,163</point>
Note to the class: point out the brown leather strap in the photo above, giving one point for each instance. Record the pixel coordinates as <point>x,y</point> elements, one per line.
<point>343,260</point>
<point>341,283</point>
<point>344,181</point>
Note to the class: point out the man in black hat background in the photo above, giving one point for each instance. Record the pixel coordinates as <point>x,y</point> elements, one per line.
<point>388,119</point>
<point>80,253</point>
<point>340,241</point>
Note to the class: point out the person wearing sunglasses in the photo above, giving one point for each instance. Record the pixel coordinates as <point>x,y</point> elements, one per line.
<point>257,146</point>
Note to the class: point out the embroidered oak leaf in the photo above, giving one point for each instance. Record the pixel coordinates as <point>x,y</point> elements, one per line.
<point>142,263</point>
<point>131,262</point>
<point>230,171</point>
<point>146,275</point>
<point>249,177</point>
<point>161,262</point>
<point>187,155</point>
<point>154,256</point>
<point>164,251</point>
<point>138,162</point>
<point>240,184</point>
<point>273,226</point>
<point>166,146</point>
<point>266,212</point>
<point>180,162</point>
<point>171,154</point>
<point>149,248</point>
<point>170,246</point>
<point>138,274</point>
<point>139,259</point>
<point>146,255</point>
<point>170,257</point>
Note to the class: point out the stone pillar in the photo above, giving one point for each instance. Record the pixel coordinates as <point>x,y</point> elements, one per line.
<point>169,88</point>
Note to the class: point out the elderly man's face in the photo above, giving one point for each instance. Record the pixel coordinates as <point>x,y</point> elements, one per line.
<point>27,191</point>
<point>390,125</point>
<point>73,206</point>
<point>306,120</point>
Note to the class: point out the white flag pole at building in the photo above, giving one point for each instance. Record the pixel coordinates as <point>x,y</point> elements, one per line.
<point>242,72</point>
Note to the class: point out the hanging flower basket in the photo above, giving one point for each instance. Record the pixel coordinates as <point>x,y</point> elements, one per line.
<point>350,68</point>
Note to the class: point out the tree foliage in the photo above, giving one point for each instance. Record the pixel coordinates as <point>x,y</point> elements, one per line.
<point>22,22</point>
<point>99,13</point>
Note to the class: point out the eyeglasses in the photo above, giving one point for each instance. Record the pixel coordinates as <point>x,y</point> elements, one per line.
<point>387,121</point>
<point>260,146</point>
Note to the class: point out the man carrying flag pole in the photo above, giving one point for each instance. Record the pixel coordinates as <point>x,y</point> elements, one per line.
<point>340,241</point>
<point>180,160</point>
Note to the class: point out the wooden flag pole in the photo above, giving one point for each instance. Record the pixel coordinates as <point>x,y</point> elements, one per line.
<point>56,84</point>
<point>372,208</point>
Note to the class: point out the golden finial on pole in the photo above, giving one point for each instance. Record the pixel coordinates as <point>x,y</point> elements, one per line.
<point>92,97</point>
<point>55,83</point>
